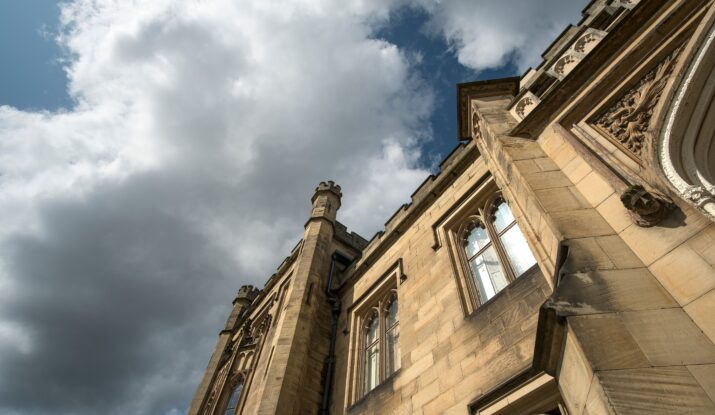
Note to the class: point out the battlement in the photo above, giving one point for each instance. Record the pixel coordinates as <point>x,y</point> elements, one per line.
<point>329,186</point>
<point>246,293</point>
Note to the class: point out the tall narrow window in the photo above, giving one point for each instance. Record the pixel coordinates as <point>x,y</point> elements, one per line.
<point>494,250</point>
<point>233,398</point>
<point>375,340</point>
<point>372,352</point>
<point>392,335</point>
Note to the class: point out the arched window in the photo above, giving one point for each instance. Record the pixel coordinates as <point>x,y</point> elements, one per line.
<point>392,335</point>
<point>483,261</point>
<point>380,341</point>
<point>233,398</point>
<point>372,352</point>
<point>494,249</point>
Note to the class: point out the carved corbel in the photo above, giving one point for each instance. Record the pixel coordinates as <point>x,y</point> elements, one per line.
<point>646,209</point>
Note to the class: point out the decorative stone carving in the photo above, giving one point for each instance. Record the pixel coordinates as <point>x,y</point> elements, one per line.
<point>646,209</point>
<point>583,45</point>
<point>216,389</point>
<point>476,127</point>
<point>525,105</point>
<point>699,195</point>
<point>627,121</point>
<point>564,65</point>
<point>686,145</point>
<point>246,335</point>
<point>588,40</point>
<point>262,327</point>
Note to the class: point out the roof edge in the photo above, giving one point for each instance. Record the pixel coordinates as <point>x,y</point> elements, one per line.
<point>480,89</point>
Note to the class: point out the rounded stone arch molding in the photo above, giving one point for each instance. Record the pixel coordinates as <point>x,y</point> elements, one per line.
<point>686,144</point>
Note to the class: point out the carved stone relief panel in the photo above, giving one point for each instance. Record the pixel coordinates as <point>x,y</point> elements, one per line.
<point>587,41</point>
<point>583,45</point>
<point>525,105</point>
<point>564,65</point>
<point>476,126</point>
<point>627,121</point>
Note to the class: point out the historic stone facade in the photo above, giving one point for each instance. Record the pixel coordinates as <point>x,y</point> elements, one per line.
<point>561,262</point>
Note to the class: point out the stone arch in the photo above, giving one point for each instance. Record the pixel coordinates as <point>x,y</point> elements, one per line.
<point>686,146</point>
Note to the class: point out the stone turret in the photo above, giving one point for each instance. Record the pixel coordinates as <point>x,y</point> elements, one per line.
<point>326,201</point>
<point>245,296</point>
<point>241,304</point>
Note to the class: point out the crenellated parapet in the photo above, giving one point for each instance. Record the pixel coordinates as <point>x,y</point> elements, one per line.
<point>326,201</point>
<point>246,294</point>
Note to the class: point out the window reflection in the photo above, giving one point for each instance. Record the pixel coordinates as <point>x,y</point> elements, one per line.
<point>393,337</point>
<point>371,353</point>
<point>233,399</point>
<point>497,252</point>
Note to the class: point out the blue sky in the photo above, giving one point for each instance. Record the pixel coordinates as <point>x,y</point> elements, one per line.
<point>440,68</point>
<point>32,76</point>
<point>157,155</point>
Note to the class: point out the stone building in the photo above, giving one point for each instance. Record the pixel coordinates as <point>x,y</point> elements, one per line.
<point>560,262</point>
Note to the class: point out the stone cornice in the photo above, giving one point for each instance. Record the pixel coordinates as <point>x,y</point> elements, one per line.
<point>578,79</point>
<point>480,89</point>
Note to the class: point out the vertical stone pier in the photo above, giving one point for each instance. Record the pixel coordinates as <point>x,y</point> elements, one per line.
<point>293,379</point>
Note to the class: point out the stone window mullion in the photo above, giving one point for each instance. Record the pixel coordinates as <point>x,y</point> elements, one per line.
<point>495,238</point>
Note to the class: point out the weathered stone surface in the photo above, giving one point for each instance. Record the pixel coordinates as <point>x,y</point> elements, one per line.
<point>667,390</point>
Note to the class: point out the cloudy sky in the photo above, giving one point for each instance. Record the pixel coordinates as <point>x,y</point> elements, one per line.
<point>156,155</point>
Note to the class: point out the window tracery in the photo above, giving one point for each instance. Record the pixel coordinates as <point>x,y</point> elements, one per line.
<point>488,248</point>
<point>380,342</point>
<point>375,355</point>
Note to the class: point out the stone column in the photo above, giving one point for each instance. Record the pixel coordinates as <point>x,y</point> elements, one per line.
<point>241,304</point>
<point>293,379</point>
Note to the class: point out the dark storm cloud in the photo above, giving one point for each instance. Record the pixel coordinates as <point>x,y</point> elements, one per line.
<point>114,290</point>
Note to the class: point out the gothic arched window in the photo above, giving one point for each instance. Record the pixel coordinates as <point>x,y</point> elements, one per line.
<point>494,250</point>
<point>380,341</point>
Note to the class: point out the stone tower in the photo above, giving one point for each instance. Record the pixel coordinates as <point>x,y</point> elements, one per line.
<point>293,380</point>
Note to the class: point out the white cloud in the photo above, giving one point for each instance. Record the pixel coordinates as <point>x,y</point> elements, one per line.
<point>492,33</point>
<point>185,170</point>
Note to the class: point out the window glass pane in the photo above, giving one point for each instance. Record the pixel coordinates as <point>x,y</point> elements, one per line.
<point>502,217</point>
<point>475,240</point>
<point>392,313</point>
<point>233,400</point>
<point>371,330</point>
<point>488,274</point>
<point>371,374</point>
<point>393,349</point>
<point>518,251</point>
